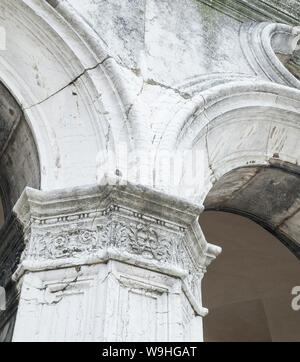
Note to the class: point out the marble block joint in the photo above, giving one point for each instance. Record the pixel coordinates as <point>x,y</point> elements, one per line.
<point>110,263</point>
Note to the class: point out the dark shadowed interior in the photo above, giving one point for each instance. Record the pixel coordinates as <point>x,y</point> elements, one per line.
<point>268,195</point>
<point>248,287</point>
<point>19,161</point>
<point>19,167</point>
<point>1,214</point>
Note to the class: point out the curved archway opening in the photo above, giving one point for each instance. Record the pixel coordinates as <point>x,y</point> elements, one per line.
<point>253,213</point>
<point>19,167</point>
<point>269,195</point>
<point>19,160</point>
<point>248,288</point>
<point>247,133</point>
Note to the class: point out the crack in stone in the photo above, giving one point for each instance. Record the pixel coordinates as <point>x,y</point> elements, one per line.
<point>177,91</point>
<point>207,151</point>
<point>136,97</point>
<point>70,83</point>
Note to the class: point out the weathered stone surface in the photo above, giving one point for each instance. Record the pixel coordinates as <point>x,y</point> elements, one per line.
<point>130,243</point>
<point>259,10</point>
<point>108,88</point>
<point>272,51</point>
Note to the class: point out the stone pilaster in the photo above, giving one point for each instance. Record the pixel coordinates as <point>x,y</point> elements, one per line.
<point>110,263</point>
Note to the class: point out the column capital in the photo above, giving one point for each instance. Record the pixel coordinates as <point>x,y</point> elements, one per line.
<point>129,257</point>
<point>113,221</point>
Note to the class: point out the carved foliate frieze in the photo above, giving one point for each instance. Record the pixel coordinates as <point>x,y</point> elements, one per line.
<point>140,239</point>
<point>135,238</point>
<point>68,242</point>
<point>127,233</point>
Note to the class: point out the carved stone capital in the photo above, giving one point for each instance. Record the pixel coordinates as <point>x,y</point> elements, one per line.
<point>110,221</point>
<point>110,250</point>
<point>128,223</point>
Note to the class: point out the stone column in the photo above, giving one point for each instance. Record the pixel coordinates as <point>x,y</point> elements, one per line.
<point>110,263</point>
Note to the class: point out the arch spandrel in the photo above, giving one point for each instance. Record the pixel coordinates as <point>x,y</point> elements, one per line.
<point>69,88</point>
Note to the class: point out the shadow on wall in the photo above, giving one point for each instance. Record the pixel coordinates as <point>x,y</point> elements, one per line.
<point>248,288</point>
<point>1,215</point>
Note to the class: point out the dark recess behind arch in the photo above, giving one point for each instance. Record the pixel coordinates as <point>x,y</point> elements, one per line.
<point>270,196</point>
<point>19,160</point>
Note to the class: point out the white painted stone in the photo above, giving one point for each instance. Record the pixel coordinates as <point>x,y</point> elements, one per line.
<point>110,263</point>
<point>129,81</point>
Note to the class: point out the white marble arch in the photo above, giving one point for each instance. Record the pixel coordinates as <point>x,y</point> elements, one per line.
<point>267,46</point>
<point>72,99</point>
<point>80,103</point>
<point>242,125</point>
<point>70,91</point>
<point>236,124</point>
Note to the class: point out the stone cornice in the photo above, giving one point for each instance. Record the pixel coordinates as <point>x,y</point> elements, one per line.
<point>258,10</point>
<point>50,204</point>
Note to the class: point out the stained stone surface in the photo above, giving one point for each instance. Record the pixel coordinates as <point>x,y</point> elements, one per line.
<point>91,88</point>
<point>162,39</point>
<point>259,10</point>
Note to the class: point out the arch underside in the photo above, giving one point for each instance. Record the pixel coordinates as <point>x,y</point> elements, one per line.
<point>19,160</point>
<point>19,167</point>
<point>269,195</point>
